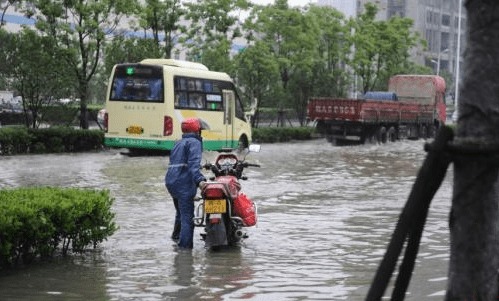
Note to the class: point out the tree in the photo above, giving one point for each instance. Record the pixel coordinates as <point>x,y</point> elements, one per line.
<point>128,50</point>
<point>214,26</point>
<point>162,17</point>
<point>5,54</point>
<point>330,75</point>
<point>256,70</point>
<point>290,36</point>
<point>79,28</point>
<point>37,73</point>
<point>474,219</point>
<point>381,48</point>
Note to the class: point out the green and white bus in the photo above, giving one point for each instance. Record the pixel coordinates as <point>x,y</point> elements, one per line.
<point>147,101</point>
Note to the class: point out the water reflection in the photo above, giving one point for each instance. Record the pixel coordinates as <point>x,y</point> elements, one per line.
<point>81,278</point>
<point>326,215</point>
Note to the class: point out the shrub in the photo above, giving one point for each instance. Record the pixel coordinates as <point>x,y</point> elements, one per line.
<point>19,140</point>
<point>14,140</point>
<point>35,222</point>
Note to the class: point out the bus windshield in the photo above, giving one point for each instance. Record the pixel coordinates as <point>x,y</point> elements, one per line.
<point>138,83</point>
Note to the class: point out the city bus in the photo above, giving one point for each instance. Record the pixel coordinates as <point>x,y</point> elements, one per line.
<point>147,101</point>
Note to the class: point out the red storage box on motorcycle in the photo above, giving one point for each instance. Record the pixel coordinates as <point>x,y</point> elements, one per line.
<point>245,209</point>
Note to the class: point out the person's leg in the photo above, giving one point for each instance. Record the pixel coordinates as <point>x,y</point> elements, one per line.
<point>176,226</point>
<point>186,206</point>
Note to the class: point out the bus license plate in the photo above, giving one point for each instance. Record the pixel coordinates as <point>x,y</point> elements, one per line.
<point>215,206</point>
<point>135,129</point>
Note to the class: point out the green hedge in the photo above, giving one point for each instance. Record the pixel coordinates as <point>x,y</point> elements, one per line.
<point>21,140</point>
<point>281,134</point>
<point>35,222</point>
<point>61,115</point>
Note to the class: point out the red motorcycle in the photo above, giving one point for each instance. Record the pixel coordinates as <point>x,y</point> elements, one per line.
<point>223,210</point>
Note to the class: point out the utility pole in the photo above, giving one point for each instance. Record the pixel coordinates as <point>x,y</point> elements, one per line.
<point>474,217</point>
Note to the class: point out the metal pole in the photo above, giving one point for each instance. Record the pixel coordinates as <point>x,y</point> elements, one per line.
<point>438,64</point>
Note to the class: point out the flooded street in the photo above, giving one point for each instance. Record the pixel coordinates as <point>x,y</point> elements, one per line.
<point>326,215</point>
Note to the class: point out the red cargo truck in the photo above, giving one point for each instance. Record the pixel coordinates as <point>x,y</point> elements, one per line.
<point>413,108</point>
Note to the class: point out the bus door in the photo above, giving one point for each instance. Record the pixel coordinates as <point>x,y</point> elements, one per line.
<point>229,112</point>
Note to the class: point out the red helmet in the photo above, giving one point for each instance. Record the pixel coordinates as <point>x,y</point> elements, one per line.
<point>191,125</point>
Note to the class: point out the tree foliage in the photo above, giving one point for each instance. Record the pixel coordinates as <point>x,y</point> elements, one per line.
<point>129,50</point>
<point>213,27</point>
<point>163,19</point>
<point>36,72</point>
<point>289,53</point>
<point>381,48</point>
<point>79,29</point>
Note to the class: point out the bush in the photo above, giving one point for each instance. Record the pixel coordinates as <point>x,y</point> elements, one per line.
<point>14,140</point>
<point>20,140</point>
<point>35,222</point>
<point>281,134</point>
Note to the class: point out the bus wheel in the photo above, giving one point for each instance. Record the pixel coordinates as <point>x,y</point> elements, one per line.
<point>242,143</point>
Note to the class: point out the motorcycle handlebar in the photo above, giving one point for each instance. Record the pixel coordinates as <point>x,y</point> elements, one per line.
<point>251,164</point>
<point>207,166</point>
<point>244,164</point>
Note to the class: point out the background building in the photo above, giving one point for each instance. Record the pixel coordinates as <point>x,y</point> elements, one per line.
<point>437,22</point>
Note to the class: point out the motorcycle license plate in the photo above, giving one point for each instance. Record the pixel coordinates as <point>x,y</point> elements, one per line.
<point>215,206</point>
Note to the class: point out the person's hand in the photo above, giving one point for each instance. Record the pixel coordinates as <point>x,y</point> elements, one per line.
<point>202,185</point>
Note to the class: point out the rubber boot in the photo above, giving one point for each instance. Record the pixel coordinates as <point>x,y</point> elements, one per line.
<point>176,232</point>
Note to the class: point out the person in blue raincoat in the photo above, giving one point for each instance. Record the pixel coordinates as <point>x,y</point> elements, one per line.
<point>182,179</point>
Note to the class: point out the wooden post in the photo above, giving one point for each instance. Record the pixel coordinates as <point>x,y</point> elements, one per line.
<point>474,217</point>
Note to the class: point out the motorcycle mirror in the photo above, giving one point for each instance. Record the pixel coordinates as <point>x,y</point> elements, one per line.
<point>255,148</point>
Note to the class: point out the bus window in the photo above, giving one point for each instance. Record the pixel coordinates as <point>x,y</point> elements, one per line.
<point>196,93</point>
<point>208,86</point>
<point>155,89</point>
<point>199,85</point>
<point>214,102</point>
<point>239,109</point>
<point>181,100</point>
<point>196,101</point>
<point>137,83</point>
<point>181,84</point>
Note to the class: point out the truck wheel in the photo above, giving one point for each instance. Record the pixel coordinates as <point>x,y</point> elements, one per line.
<point>432,132</point>
<point>369,136</point>
<point>382,135</point>
<point>391,134</point>
<point>423,132</point>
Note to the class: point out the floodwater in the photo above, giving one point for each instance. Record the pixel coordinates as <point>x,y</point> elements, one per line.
<point>326,215</point>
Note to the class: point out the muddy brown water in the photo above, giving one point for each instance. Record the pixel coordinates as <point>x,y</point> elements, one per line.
<point>326,215</point>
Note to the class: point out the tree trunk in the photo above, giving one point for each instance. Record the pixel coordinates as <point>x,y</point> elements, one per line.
<point>474,218</point>
<point>83,104</point>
